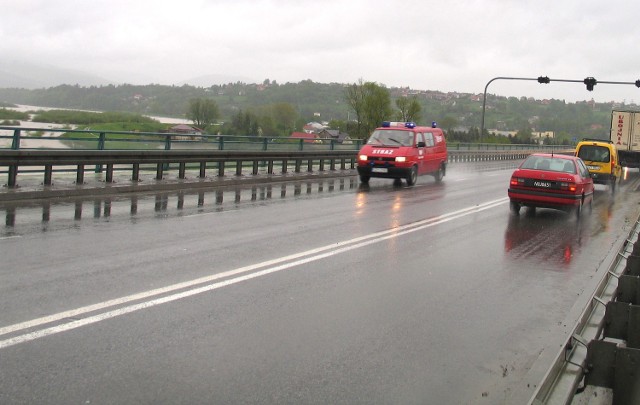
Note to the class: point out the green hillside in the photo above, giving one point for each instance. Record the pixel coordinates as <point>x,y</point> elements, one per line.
<point>458,113</point>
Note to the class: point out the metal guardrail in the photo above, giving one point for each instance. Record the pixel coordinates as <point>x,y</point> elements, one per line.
<point>77,161</point>
<point>135,151</point>
<point>603,348</point>
<point>107,161</point>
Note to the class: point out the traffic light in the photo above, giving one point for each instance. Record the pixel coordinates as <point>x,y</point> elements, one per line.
<point>544,79</point>
<point>590,82</point>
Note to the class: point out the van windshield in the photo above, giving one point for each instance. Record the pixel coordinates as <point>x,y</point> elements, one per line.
<point>390,137</point>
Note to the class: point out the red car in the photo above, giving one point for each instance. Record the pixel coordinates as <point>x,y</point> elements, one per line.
<point>551,181</point>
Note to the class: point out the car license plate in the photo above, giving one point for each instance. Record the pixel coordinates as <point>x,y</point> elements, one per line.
<point>593,167</point>
<point>379,170</point>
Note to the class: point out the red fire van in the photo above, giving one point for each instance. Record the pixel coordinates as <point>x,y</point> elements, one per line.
<point>403,150</point>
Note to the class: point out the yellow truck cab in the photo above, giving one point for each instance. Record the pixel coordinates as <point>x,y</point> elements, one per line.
<point>601,158</point>
<point>403,150</point>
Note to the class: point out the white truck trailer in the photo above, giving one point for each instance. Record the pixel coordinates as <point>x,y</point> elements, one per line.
<point>625,135</point>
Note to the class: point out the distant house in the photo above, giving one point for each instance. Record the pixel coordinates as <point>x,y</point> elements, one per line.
<point>307,137</point>
<point>335,135</point>
<point>189,131</point>
<point>313,127</point>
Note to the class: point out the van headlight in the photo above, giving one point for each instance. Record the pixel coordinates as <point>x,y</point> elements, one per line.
<point>401,159</point>
<point>363,158</point>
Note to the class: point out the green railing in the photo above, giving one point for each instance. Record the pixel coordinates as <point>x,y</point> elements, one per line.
<point>18,138</point>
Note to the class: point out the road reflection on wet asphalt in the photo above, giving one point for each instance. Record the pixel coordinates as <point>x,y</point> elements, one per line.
<point>45,214</point>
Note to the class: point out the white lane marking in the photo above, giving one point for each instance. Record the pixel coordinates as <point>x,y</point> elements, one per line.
<point>272,266</point>
<point>10,237</point>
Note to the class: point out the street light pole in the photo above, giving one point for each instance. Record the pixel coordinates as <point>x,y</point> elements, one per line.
<point>484,98</point>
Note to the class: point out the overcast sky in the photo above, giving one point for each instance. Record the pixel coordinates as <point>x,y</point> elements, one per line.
<point>428,45</point>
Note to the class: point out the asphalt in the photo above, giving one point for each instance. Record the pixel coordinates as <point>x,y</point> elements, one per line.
<point>31,185</point>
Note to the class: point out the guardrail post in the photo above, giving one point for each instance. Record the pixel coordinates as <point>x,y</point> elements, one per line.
<point>48,170</point>
<point>203,168</point>
<point>101,142</point>
<point>265,144</point>
<point>221,142</point>
<point>109,174</point>
<point>15,143</point>
<point>13,175</point>
<point>135,172</point>
<point>181,170</point>
<point>80,174</point>
<point>285,162</point>
<point>239,168</point>
<point>159,171</point>
<point>167,142</point>
<point>221,168</point>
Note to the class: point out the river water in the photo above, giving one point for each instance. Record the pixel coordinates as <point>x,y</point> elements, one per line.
<point>45,140</point>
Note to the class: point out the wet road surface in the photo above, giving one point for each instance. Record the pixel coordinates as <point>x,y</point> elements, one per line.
<point>306,292</point>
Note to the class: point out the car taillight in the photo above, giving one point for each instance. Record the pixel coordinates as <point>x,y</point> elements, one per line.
<point>568,186</point>
<point>516,181</point>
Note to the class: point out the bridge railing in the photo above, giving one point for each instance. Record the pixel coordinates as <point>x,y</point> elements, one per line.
<point>80,151</point>
<point>17,138</point>
<point>78,161</point>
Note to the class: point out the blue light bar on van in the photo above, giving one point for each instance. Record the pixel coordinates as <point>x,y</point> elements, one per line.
<point>434,124</point>
<point>387,124</point>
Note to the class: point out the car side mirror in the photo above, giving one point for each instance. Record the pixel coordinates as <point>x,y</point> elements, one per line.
<point>421,144</point>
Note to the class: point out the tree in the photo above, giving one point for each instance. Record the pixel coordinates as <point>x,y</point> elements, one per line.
<point>371,103</point>
<point>202,111</point>
<point>284,116</point>
<point>355,98</point>
<point>448,123</point>
<point>410,109</point>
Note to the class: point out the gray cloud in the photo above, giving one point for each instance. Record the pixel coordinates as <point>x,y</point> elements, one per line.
<point>444,45</point>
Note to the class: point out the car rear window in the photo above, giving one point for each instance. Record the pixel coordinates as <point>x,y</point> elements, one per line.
<point>549,163</point>
<point>594,153</point>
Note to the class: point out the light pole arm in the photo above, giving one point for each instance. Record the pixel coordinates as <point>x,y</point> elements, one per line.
<point>589,81</point>
<point>484,98</point>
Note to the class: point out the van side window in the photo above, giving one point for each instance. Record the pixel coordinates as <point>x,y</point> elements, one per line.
<point>419,138</point>
<point>429,139</point>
